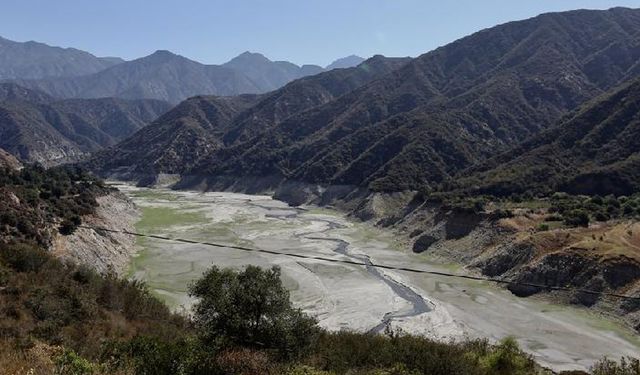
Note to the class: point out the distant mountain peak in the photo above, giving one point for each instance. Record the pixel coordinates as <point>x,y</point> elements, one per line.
<point>162,54</point>
<point>248,57</point>
<point>35,60</point>
<point>251,54</point>
<point>346,62</point>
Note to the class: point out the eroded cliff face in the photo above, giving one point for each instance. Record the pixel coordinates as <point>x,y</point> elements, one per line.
<point>105,251</point>
<point>604,257</point>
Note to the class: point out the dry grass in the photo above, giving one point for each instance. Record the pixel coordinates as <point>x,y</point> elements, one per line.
<point>39,359</point>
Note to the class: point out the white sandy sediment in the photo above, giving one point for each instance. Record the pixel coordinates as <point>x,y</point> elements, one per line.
<point>343,296</point>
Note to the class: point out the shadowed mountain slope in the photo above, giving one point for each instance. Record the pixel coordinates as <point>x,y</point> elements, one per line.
<point>38,128</point>
<point>201,125</point>
<point>32,60</point>
<point>593,151</point>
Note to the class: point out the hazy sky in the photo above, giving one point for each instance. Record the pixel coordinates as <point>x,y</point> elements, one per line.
<point>301,31</point>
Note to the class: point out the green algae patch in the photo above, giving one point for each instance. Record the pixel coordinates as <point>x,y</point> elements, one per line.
<point>163,218</point>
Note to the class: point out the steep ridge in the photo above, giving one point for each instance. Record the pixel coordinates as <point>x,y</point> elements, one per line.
<point>178,139</point>
<point>592,151</point>
<point>269,75</point>
<point>161,75</point>
<point>447,109</point>
<point>38,128</point>
<point>346,62</point>
<point>166,76</point>
<point>198,126</point>
<point>32,60</point>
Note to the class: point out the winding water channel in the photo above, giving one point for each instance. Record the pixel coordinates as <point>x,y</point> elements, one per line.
<point>349,296</point>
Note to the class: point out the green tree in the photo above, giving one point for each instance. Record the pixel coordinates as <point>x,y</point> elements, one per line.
<point>508,359</point>
<point>577,218</point>
<point>250,308</point>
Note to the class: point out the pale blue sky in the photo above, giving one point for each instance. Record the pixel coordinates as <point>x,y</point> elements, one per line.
<point>301,31</point>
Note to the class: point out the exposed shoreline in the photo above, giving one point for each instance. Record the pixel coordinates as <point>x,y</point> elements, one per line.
<point>465,239</point>
<point>452,320</point>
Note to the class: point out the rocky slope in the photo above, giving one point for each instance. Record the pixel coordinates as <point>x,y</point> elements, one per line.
<point>105,251</point>
<point>33,60</point>
<point>38,128</point>
<point>8,161</point>
<point>592,151</point>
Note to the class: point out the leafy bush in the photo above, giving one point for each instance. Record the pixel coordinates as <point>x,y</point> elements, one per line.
<point>155,356</point>
<point>576,218</point>
<point>507,359</point>
<point>250,308</point>
<point>626,366</point>
<point>347,353</point>
<point>44,197</point>
<point>24,257</point>
<point>70,363</point>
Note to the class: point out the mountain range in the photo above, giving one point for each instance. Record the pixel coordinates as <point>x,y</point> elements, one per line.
<point>414,124</point>
<point>38,128</point>
<point>33,60</point>
<point>194,129</point>
<point>70,73</point>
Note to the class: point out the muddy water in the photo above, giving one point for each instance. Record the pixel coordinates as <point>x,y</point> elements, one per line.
<point>345,296</point>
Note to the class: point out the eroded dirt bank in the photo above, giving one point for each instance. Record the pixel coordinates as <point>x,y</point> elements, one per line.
<point>105,251</point>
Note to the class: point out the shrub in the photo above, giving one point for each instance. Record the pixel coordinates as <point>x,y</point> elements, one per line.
<point>148,355</point>
<point>554,217</point>
<point>67,227</point>
<point>70,363</point>
<point>347,353</point>
<point>601,216</point>
<point>596,199</point>
<point>305,370</point>
<point>250,308</point>
<point>611,201</point>
<point>576,218</point>
<point>626,366</point>
<point>507,359</point>
<point>24,257</point>
<point>245,362</point>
